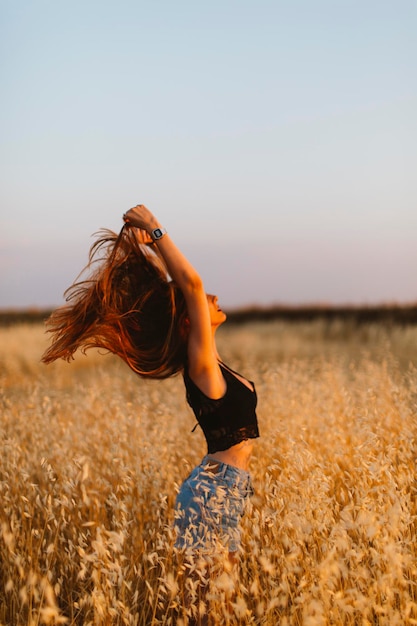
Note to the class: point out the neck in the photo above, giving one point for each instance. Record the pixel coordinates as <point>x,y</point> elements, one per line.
<point>215,351</point>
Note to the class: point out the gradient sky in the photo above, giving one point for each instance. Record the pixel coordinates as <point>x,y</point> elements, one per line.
<point>276,141</point>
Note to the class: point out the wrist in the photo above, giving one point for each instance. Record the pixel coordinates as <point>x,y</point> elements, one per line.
<point>152,224</point>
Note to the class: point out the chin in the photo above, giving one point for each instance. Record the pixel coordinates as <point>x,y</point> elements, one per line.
<point>219,320</point>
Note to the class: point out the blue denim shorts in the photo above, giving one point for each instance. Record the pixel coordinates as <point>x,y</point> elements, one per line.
<point>210,505</point>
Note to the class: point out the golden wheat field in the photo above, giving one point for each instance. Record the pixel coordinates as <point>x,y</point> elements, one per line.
<point>92,457</point>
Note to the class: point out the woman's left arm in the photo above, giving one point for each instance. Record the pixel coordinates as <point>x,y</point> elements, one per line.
<point>202,357</point>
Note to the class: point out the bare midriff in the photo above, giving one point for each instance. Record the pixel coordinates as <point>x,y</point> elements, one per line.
<point>238,455</point>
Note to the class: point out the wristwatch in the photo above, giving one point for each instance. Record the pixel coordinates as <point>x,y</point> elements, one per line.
<point>158,233</point>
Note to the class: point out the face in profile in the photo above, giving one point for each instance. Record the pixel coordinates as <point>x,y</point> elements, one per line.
<point>217,315</point>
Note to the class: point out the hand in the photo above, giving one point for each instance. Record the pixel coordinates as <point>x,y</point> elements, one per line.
<point>143,237</point>
<point>141,217</point>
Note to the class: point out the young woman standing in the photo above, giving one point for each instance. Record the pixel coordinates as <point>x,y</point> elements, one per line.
<point>146,303</point>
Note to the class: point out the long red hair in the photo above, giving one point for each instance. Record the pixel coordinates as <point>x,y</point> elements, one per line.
<point>127,305</point>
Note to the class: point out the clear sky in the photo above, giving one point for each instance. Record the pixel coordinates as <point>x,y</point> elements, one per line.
<point>276,141</point>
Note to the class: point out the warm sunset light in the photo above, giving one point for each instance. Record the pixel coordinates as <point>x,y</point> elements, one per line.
<point>216,424</point>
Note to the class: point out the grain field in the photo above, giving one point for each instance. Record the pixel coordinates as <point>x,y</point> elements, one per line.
<point>92,458</point>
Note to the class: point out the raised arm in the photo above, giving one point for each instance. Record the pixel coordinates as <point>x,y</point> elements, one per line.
<point>202,353</point>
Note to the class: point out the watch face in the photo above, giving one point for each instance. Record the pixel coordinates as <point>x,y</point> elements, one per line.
<point>157,233</point>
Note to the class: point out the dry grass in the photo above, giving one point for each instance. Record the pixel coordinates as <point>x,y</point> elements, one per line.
<point>92,457</point>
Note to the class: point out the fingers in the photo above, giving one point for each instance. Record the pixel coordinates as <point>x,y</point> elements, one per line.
<point>139,210</point>
<point>140,217</point>
<point>129,215</point>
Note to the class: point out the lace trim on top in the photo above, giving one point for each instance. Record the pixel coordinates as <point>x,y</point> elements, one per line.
<point>219,440</point>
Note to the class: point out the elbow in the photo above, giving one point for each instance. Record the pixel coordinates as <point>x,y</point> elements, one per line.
<point>193,282</point>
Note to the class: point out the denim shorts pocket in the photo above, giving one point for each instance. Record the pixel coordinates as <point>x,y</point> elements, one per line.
<point>209,508</point>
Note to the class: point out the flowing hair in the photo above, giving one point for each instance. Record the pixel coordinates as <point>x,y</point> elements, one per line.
<point>128,306</point>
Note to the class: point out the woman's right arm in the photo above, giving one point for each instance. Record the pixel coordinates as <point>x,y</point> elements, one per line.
<point>202,354</point>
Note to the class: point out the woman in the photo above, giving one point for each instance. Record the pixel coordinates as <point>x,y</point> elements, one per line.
<point>146,303</point>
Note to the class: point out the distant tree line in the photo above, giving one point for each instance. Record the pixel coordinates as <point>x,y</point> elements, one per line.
<point>384,314</point>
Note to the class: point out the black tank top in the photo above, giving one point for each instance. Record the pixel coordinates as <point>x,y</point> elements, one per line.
<point>229,419</point>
